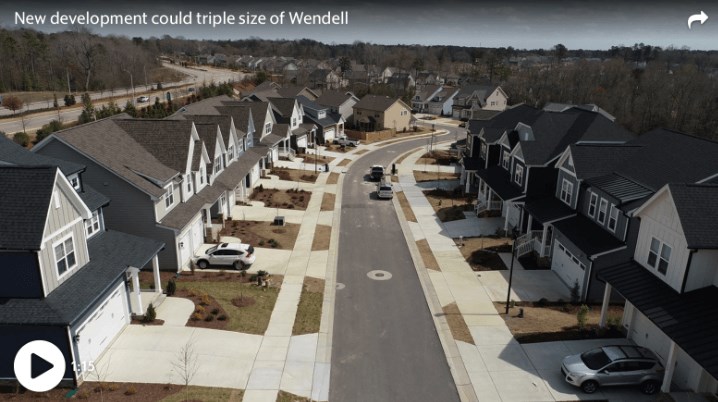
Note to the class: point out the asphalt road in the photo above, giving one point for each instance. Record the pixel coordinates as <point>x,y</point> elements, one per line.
<point>385,347</point>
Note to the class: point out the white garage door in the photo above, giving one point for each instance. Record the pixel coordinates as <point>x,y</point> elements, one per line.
<point>197,235</point>
<point>98,332</point>
<point>567,266</point>
<point>184,245</point>
<point>329,135</point>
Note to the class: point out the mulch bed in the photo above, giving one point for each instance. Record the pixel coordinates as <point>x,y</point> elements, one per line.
<point>488,259</point>
<point>294,175</point>
<point>263,234</point>
<point>289,199</point>
<point>207,312</point>
<point>441,157</point>
<point>139,321</point>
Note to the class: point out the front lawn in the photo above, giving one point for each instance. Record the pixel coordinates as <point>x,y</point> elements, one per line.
<point>546,322</point>
<point>289,199</point>
<point>482,252</point>
<point>306,176</point>
<point>449,205</point>
<point>258,303</point>
<point>309,310</point>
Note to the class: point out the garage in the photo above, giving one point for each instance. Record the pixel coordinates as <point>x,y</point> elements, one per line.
<point>329,134</point>
<point>104,324</point>
<point>567,266</point>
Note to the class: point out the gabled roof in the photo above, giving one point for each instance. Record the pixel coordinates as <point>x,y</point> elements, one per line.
<point>208,134</point>
<point>377,103</point>
<point>293,91</point>
<point>335,98</point>
<point>592,160</point>
<point>205,106</point>
<point>482,91</point>
<point>223,121</point>
<point>445,93</point>
<point>105,142</point>
<point>93,198</point>
<point>283,106</point>
<point>307,103</point>
<point>504,121</point>
<point>24,205</point>
<point>587,235</point>
<point>426,92</point>
<point>13,154</point>
<point>697,206</point>
<point>166,140</point>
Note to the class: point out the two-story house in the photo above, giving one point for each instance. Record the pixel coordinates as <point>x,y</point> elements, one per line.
<point>160,178</point>
<point>588,224</point>
<point>442,102</point>
<point>472,99</point>
<point>671,284</point>
<point>329,125</point>
<point>375,113</point>
<point>66,277</point>
<point>339,102</point>
<point>527,155</point>
<point>420,101</point>
<point>287,111</point>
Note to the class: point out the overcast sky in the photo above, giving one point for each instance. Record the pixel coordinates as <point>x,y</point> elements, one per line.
<point>521,24</point>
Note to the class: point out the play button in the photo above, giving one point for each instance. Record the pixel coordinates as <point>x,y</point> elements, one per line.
<point>39,366</point>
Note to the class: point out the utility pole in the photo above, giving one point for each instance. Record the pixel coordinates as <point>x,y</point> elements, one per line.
<point>144,67</point>
<point>69,90</point>
<point>511,275</point>
<point>132,84</point>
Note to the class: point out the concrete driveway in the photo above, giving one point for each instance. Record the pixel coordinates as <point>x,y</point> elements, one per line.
<point>503,370</point>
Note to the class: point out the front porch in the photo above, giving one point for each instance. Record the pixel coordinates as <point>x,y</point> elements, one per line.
<point>142,293</point>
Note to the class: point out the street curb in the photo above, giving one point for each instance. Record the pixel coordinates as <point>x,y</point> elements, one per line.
<point>453,357</point>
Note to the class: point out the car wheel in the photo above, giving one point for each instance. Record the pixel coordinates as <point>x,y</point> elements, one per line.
<point>589,387</point>
<point>238,265</point>
<point>202,264</point>
<point>649,387</point>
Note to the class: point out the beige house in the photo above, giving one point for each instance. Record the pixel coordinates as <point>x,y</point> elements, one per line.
<point>374,113</point>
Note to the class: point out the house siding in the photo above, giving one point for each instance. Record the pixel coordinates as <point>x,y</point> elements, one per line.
<point>542,181</point>
<point>24,279</point>
<point>621,221</point>
<point>661,221</point>
<point>559,183</point>
<point>702,271</point>
<point>393,114</point>
<point>131,210</point>
<point>48,264</point>
<point>498,98</point>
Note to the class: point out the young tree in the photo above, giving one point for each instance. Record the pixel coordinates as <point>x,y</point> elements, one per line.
<point>12,102</point>
<point>186,365</point>
<point>88,109</point>
<point>21,138</point>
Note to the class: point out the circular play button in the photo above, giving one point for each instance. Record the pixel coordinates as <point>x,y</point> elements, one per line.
<point>39,366</point>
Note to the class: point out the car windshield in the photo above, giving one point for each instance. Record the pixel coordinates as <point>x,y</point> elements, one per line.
<point>377,169</point>
<point>595,359</point>
<point>384,188</point>
<point>211,250</point>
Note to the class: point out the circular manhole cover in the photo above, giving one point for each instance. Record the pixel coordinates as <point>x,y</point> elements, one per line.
<point>340,286</point>
<point>379,275</point>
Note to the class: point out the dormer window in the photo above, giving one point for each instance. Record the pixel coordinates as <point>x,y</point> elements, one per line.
<point>602,209</point>
<point>659,255</point>
<point>217,164</point>
<point>201,175</point>
<point>506,160</point>
<point>230,153</point>
<point>65,255</point>
<point>169,196</point>
<point>75,181</point>
<point>482,150</point>
<point>267,128</point>
<point>567,192</point>
<point>92,225</point>
<point>519,175</point>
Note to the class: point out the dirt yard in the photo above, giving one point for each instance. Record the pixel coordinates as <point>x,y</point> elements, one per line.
<point>310,158</point>
<point>289,199</point>
<point>449,205</point>
<point>263,234</point>
<point>442,157</point>
<point>344,162</point>
<point>426,255</point>
<point>405,206</point>
<point>557,321</point>
<point>322,236</point>
<point>306,176</point>
<point>420,176</point>
<point>328,202</point>
<point>459,329</point>
<point>481,252</point>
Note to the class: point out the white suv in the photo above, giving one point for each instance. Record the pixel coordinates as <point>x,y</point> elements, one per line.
<point>237,255</point>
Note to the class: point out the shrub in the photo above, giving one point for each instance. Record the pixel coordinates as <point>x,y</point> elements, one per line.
<point>262,273</point>
<point>613,321</point>
<point>261,243</point>
<point>171,287</point>
<point>209,318</point>
<point>69,100</point>
<point>131,390</point>
<point>151,314</point>
<point>542,302</point>
<point>206,300</point>
<point>582,316</point>
<point>20,138</point>
<point>243,273</point>
<point>214,311</point>
<point>222,317</point>
<point>113,387</point>
<point>196,317</point>
<point>200,309</point>
<point>575,292</point>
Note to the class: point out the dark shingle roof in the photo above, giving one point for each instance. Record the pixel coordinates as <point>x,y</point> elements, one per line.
<point>333,98</point>
<point>13,154</point>
<point>27,195</point>
<point>283,106</point>
<point>107,143</point>
<point>592,160</point>
<point>697,206</point>
<point>500,182</point>
<point>504,121</point>
<point>375,103</point>
<point>587,235</point>
<point>223,121</point>
<point>110,255</point>
<point>549,209</point>
<point>292,91</point>
<point>93,198</point>
<point>205,106</point>
<point>166,140</point>
<point>686,318</point>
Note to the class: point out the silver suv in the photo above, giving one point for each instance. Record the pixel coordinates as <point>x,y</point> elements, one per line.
<point>614,365</point>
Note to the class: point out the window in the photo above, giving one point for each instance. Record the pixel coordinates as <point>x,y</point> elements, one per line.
<point>294,121</point>
<point>189,185</point>
<point>267,128</point>
<point>592,205</point>
<point>217,164</point>
<point>201,175</point>
<point>65,256</point>
<point>75,181</point>
<point>659,260</point>
<point>169,196</point>
<point>56,198</point>
<point>602,208</point>
<point>506,159</point>
<point>230,153</point>
<point>519,175</point>
<point>92,225</point>
<point>613,218</point>
<point>482,150</point>
<point>567,192</point>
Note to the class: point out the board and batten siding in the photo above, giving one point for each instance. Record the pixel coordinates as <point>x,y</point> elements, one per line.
<point>130,210</point>
<point>660,220</point>
<point>703,270</point>
<point>48,263</point>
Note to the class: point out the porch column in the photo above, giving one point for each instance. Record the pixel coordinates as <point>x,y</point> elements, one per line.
<point>134,274</point>
<point>208,218</point>
<point>528,227</point>
<point>543,240</point>
<point>506,218</point>
<point>156,274</point>
<point>670,367</point>
<point>604,306</point>
<point>230,201</point>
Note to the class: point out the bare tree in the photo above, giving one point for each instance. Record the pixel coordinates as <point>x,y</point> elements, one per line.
<point>186,364</point>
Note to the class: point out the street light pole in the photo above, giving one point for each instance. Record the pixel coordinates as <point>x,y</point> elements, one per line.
<point>511,276</point>
<point>132,84</point>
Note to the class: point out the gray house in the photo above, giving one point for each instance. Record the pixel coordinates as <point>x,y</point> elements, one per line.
<point>339,102</point>
<point>160,177</point>
<point>69,279</point>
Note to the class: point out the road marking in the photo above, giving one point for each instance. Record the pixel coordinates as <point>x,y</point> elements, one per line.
<point>379,275</point>
<point>340,286</point>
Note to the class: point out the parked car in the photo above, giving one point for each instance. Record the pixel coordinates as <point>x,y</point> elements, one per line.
<point>143,99</point>
<point>237,255</point>
<point>384,190</point>
<point>376,172</point>
<point>614,365</point>
<point>346,141</point>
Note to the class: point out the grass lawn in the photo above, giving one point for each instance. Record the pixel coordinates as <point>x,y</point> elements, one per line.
<point>344,162</point>
<point>204,394</point>
<point>252,319</point>
<point>457,325</point>
<point>126,392</point>
<point>405,206</point>
<point>309,311</point>
<point>261,234</point>
<point>555,322</point>
<point>322,237</point>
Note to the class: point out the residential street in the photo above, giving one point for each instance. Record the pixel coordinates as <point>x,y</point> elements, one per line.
<point>385,345</point>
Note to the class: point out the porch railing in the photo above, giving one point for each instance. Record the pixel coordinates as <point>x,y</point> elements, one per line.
<point>529,242</point>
